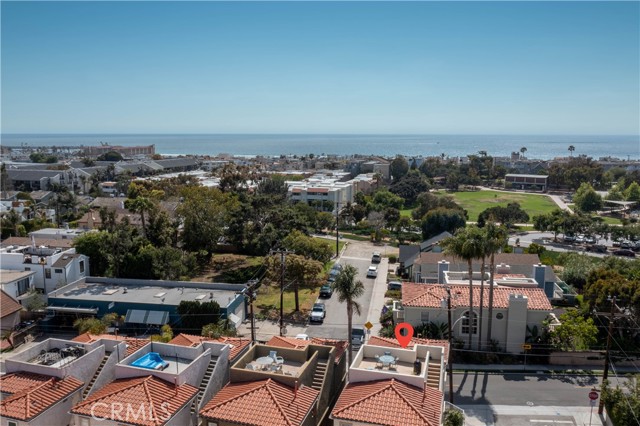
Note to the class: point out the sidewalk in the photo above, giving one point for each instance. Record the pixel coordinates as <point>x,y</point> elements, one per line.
<point>539,368</point>
<point>516,415</point>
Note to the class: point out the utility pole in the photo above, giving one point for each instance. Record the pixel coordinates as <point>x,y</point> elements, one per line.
<point>337,226</point>
<point>251,293</point>
<point>449,361</point>
<point>605,374</point>
<point>283,256</point>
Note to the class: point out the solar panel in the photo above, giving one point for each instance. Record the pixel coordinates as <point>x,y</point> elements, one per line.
<point>157,317</point>
<point>135,316</point>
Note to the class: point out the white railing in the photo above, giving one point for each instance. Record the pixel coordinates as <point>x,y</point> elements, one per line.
<point>450,406</point>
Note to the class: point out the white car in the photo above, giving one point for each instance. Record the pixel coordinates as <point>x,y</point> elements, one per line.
<point>372,272</point>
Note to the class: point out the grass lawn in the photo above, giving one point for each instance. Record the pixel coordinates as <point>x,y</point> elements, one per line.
<point>406,212</point>
<point>611,220</point>
<point>477,201</point>
<point>268,299</point>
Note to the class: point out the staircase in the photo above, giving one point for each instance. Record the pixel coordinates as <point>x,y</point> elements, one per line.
<point>204,383</point>
<point>87,389</point>
<point>318,377</point>
<point>433,375</point>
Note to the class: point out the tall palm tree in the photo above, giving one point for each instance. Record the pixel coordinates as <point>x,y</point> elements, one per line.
<point>523,150</point>
<point>466,244</point>
<point>348,290</point>
<point>571,149</point>
<point>496,238</point>
<point>140,205</point>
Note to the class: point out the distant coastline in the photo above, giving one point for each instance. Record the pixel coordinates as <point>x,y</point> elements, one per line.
<point>543,147</point>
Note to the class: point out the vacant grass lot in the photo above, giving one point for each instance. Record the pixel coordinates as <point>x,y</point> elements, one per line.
<point>478,201</point>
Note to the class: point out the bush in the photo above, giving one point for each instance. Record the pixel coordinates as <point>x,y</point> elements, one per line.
<point>453,417</point>
<point>392,259</point>
<point>394,294</point>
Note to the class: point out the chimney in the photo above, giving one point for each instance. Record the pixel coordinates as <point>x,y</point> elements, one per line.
<point>538,274</point>
<point>443,266</point>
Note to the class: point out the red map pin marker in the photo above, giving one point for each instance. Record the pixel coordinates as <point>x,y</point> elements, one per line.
<point>405,338</point>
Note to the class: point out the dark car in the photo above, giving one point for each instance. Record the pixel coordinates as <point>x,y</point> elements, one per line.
<point>326,291</point>
<point>624,252</point>
<point>394,285</point>
<point>597,248</point>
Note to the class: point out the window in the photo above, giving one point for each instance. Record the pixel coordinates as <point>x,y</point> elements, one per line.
<point>499,315</point>
<point>424,316</point>
<point>47,273</point>
<point>84,421</point>
<point>82,266</point>
<point>58,271</point>
<point>212,424</point>
<point>27,269</point>
<point>12,423</point>
<point>466,325</point>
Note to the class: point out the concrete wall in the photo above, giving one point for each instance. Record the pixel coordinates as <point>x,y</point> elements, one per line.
<point>82,368</point>
<point>108,373</point>
<point>517,320</point>
<point>220,375</point>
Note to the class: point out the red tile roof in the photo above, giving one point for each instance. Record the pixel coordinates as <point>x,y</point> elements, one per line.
<point>8,305</point>
<point>32,394</point>
<point>431,295</point>
<point>158,399</point>
<point>389,402</point>
<point>133,344</point>
<point>290,342</point>
<point>261,403</point>
<point>237,344</point>
<point>393,343</point>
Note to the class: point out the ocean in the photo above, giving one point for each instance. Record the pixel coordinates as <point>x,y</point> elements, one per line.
<point>539,147</point>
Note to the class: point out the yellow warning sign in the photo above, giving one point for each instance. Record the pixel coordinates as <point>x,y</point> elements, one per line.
<point>368,325</point>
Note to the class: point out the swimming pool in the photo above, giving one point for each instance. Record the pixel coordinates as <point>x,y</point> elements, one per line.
<point>152,361</point>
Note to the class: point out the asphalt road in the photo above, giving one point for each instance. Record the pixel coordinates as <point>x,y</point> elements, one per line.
<point>488,388</point>
<point>335,323</point>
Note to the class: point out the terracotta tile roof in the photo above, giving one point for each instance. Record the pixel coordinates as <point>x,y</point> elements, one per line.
<point>133,344</point>
<point>159,399</point>
<point>32,394</point>
<point>508,258</point>
<point>237,344</point>
<point>8,305</point>
<point>261,403</point>
<point>389,402</point>
<point>393,343</point>
<point>431,295</point>
<point>290,342</point>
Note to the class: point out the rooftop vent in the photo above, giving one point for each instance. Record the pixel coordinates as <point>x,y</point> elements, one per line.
<point>160,294</point>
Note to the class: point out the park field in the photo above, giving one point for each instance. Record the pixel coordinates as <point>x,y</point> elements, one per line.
<point>477,201</point>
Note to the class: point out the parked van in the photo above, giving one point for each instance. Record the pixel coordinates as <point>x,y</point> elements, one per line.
<point>357,336</point>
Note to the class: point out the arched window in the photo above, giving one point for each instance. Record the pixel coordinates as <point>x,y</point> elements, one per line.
<point>466,323</point>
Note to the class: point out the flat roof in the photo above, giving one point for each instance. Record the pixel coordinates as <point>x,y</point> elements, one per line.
<point>147,294</point>
<point>526,176</point>
<point>7,276</point>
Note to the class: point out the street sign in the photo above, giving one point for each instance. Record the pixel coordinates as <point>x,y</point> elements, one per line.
<point>368,325</point>
<point>593,395</point>
<point>526,346</point>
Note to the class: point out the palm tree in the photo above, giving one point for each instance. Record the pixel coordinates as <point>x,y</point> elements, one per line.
<point>496,238</point>
<point>523,150</point>
<point>466,244</point>
<point>140,205</point>
<point>348,290</point>
<point>571,149</point>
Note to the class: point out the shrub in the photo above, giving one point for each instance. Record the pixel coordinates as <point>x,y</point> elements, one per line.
<point>392,259</point>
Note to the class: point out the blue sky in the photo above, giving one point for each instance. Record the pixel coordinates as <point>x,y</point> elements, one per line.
<point>303,67</point>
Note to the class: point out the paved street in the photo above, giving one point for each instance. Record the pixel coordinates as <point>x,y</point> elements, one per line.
<point>524,399</point>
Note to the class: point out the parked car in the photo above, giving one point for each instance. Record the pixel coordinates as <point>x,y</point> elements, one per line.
<point>302,336</point>
<point>597,248</point>
<point>394,285</point>
<point>326,291</point>
<point>318,313</point>
<point>624,252</point>
<point>569,238</point>
<point>372,272</point>
<point>626,244</point>
<point>357,336</point>
<point>590,239</point>
<point>376,258</point>
<point>580,239</point>
<point>336,267</point>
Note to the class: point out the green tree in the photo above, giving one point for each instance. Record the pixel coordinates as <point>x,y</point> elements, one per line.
<point>410,186</point>
<point>205,212</point>
<point>575,333</point>
<point>314,248</point>
<point>442,219</point>
<point>90,325</point>
<point>623,403</point>
<point>384,199</point>
<point>349,290</point>
<point>466,244</point>
<point>110,156</point>
<point>166,334</point>
<point>577,267</point>
<point>587,199</point>
<point>298,269</point>
<point>219,329</point>
<point>632,193</point>
<point>508,216</point>
<point>399,167</point>
<point>453,417</point>
<point>94,245</point>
